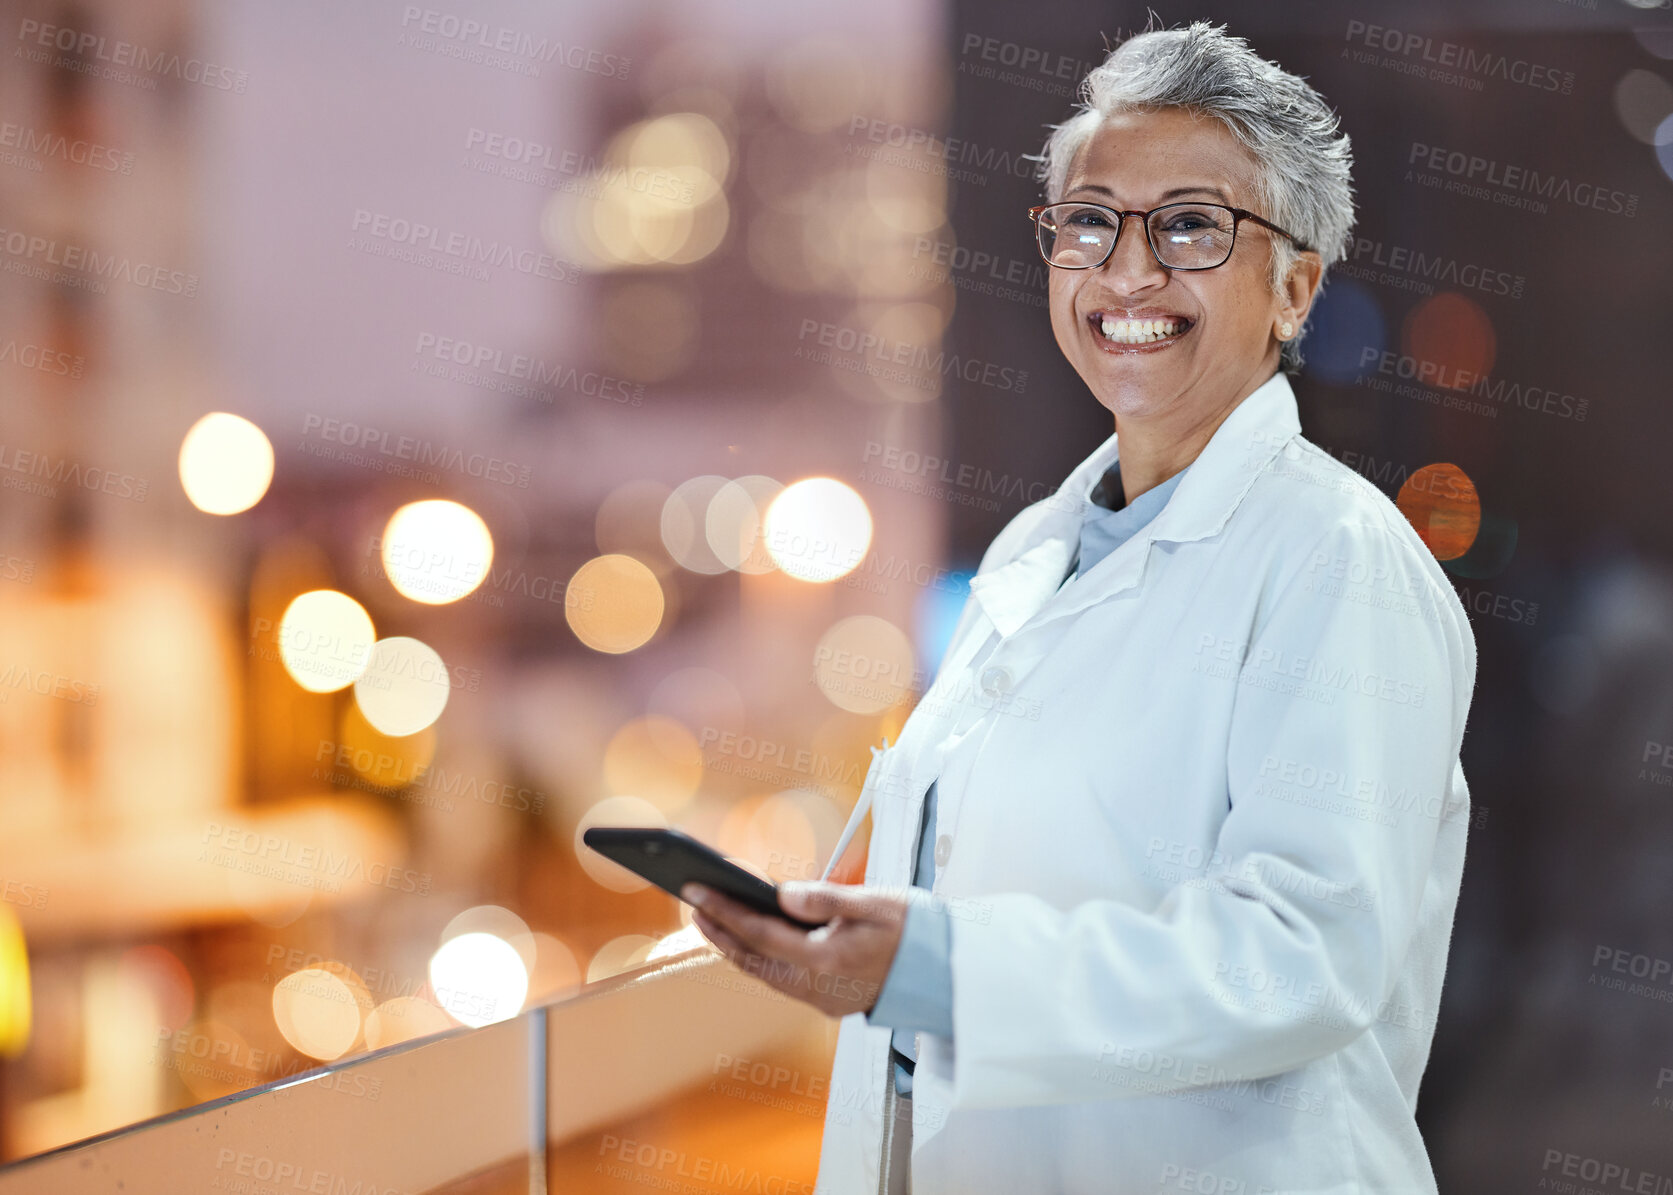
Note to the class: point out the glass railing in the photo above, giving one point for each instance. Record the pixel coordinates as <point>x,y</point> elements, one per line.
<point>686,1075</point>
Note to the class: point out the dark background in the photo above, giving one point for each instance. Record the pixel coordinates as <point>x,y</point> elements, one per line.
<point>1571,846</point>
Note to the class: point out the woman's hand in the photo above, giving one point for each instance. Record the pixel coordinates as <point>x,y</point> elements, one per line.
<point>838,968</point>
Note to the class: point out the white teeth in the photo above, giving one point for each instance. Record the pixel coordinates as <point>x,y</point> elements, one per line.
<point>1141,331</point>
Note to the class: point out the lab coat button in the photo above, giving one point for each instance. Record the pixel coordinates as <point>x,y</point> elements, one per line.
<point>943,849</point>
<point>995,681</point>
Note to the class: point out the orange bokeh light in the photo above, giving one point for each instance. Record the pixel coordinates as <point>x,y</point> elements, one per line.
<point>1454,334</point>
<point>1441,504</point>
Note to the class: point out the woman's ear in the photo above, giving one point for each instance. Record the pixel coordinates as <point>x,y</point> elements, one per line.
<point>1300,286</point>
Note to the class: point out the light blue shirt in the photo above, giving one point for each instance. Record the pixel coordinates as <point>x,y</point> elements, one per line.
<point>917,993</point>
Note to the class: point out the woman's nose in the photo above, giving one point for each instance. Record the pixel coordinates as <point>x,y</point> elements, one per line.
<point>1131,266</point>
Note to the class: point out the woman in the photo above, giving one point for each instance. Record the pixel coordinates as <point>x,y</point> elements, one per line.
<point>1186,789</point>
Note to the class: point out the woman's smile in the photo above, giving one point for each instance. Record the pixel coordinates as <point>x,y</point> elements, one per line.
<point>1127,332</point>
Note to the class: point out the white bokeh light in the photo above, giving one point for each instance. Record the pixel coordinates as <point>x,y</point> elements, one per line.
<point>479,979</point>
<point>818,529</point>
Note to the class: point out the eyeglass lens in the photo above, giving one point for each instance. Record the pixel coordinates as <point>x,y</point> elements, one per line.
<point>1078,236</point>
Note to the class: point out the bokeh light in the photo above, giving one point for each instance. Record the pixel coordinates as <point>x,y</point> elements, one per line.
<point>1454,334</point>
<point>436,551</point>
<point>818,529</point>
<point>1346,322</point>
<point>685,521</point>
<point>785,835</point>
<point>615,811</point>
<point>479,979</point>
<point>556,972</point>
<point>325,640</point>
<point>318,1013</point>
<point>226,464</point>
<point>657,759</point>
<point>1441,504</point>
<point>160,971</point>
<point>620,954</point>
<point>864,664</point>
<point>404,1018</point>
<point>1492,550</point>
<point>1643,101</point>
<point>734,521</point>
<point>661,198</point>
<point>15,1008</point>
<point>613,603</point>
<point>499,921</point>
<point>404,688</point>
<point>384,760</point>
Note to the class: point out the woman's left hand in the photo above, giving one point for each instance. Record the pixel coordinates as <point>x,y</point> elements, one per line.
<point>838,968</point>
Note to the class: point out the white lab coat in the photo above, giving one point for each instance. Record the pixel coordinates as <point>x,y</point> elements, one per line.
<point>1201,829</point>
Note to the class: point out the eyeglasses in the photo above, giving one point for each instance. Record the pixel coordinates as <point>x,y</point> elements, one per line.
<point>1182,236</point>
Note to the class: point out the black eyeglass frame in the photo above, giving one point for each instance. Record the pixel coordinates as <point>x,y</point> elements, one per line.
<point>1238,216</point>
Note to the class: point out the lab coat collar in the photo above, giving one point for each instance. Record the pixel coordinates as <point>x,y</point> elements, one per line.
<point>1241,447</point>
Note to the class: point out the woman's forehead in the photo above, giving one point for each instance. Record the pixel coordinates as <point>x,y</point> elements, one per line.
<point>1146,157</point>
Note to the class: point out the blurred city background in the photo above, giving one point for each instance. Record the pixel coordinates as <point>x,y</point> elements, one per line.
<point>426,432</point>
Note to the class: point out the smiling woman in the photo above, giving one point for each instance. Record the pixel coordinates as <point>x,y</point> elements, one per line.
<point>1186,918</point>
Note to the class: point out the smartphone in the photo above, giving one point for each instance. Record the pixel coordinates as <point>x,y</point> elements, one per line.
<point>669,859</point>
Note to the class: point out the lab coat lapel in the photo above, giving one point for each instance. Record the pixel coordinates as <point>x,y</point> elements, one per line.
<point>1028,587</point>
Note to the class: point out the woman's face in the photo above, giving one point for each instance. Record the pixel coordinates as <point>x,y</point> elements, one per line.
<point>1138,161</point>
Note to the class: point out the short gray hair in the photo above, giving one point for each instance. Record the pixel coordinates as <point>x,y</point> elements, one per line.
<point>1303,165</point>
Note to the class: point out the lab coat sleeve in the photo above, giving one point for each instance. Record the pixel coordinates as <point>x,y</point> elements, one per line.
<point>1282,951</point>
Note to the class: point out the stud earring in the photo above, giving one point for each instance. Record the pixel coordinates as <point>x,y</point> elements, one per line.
<point>1286,330</point>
